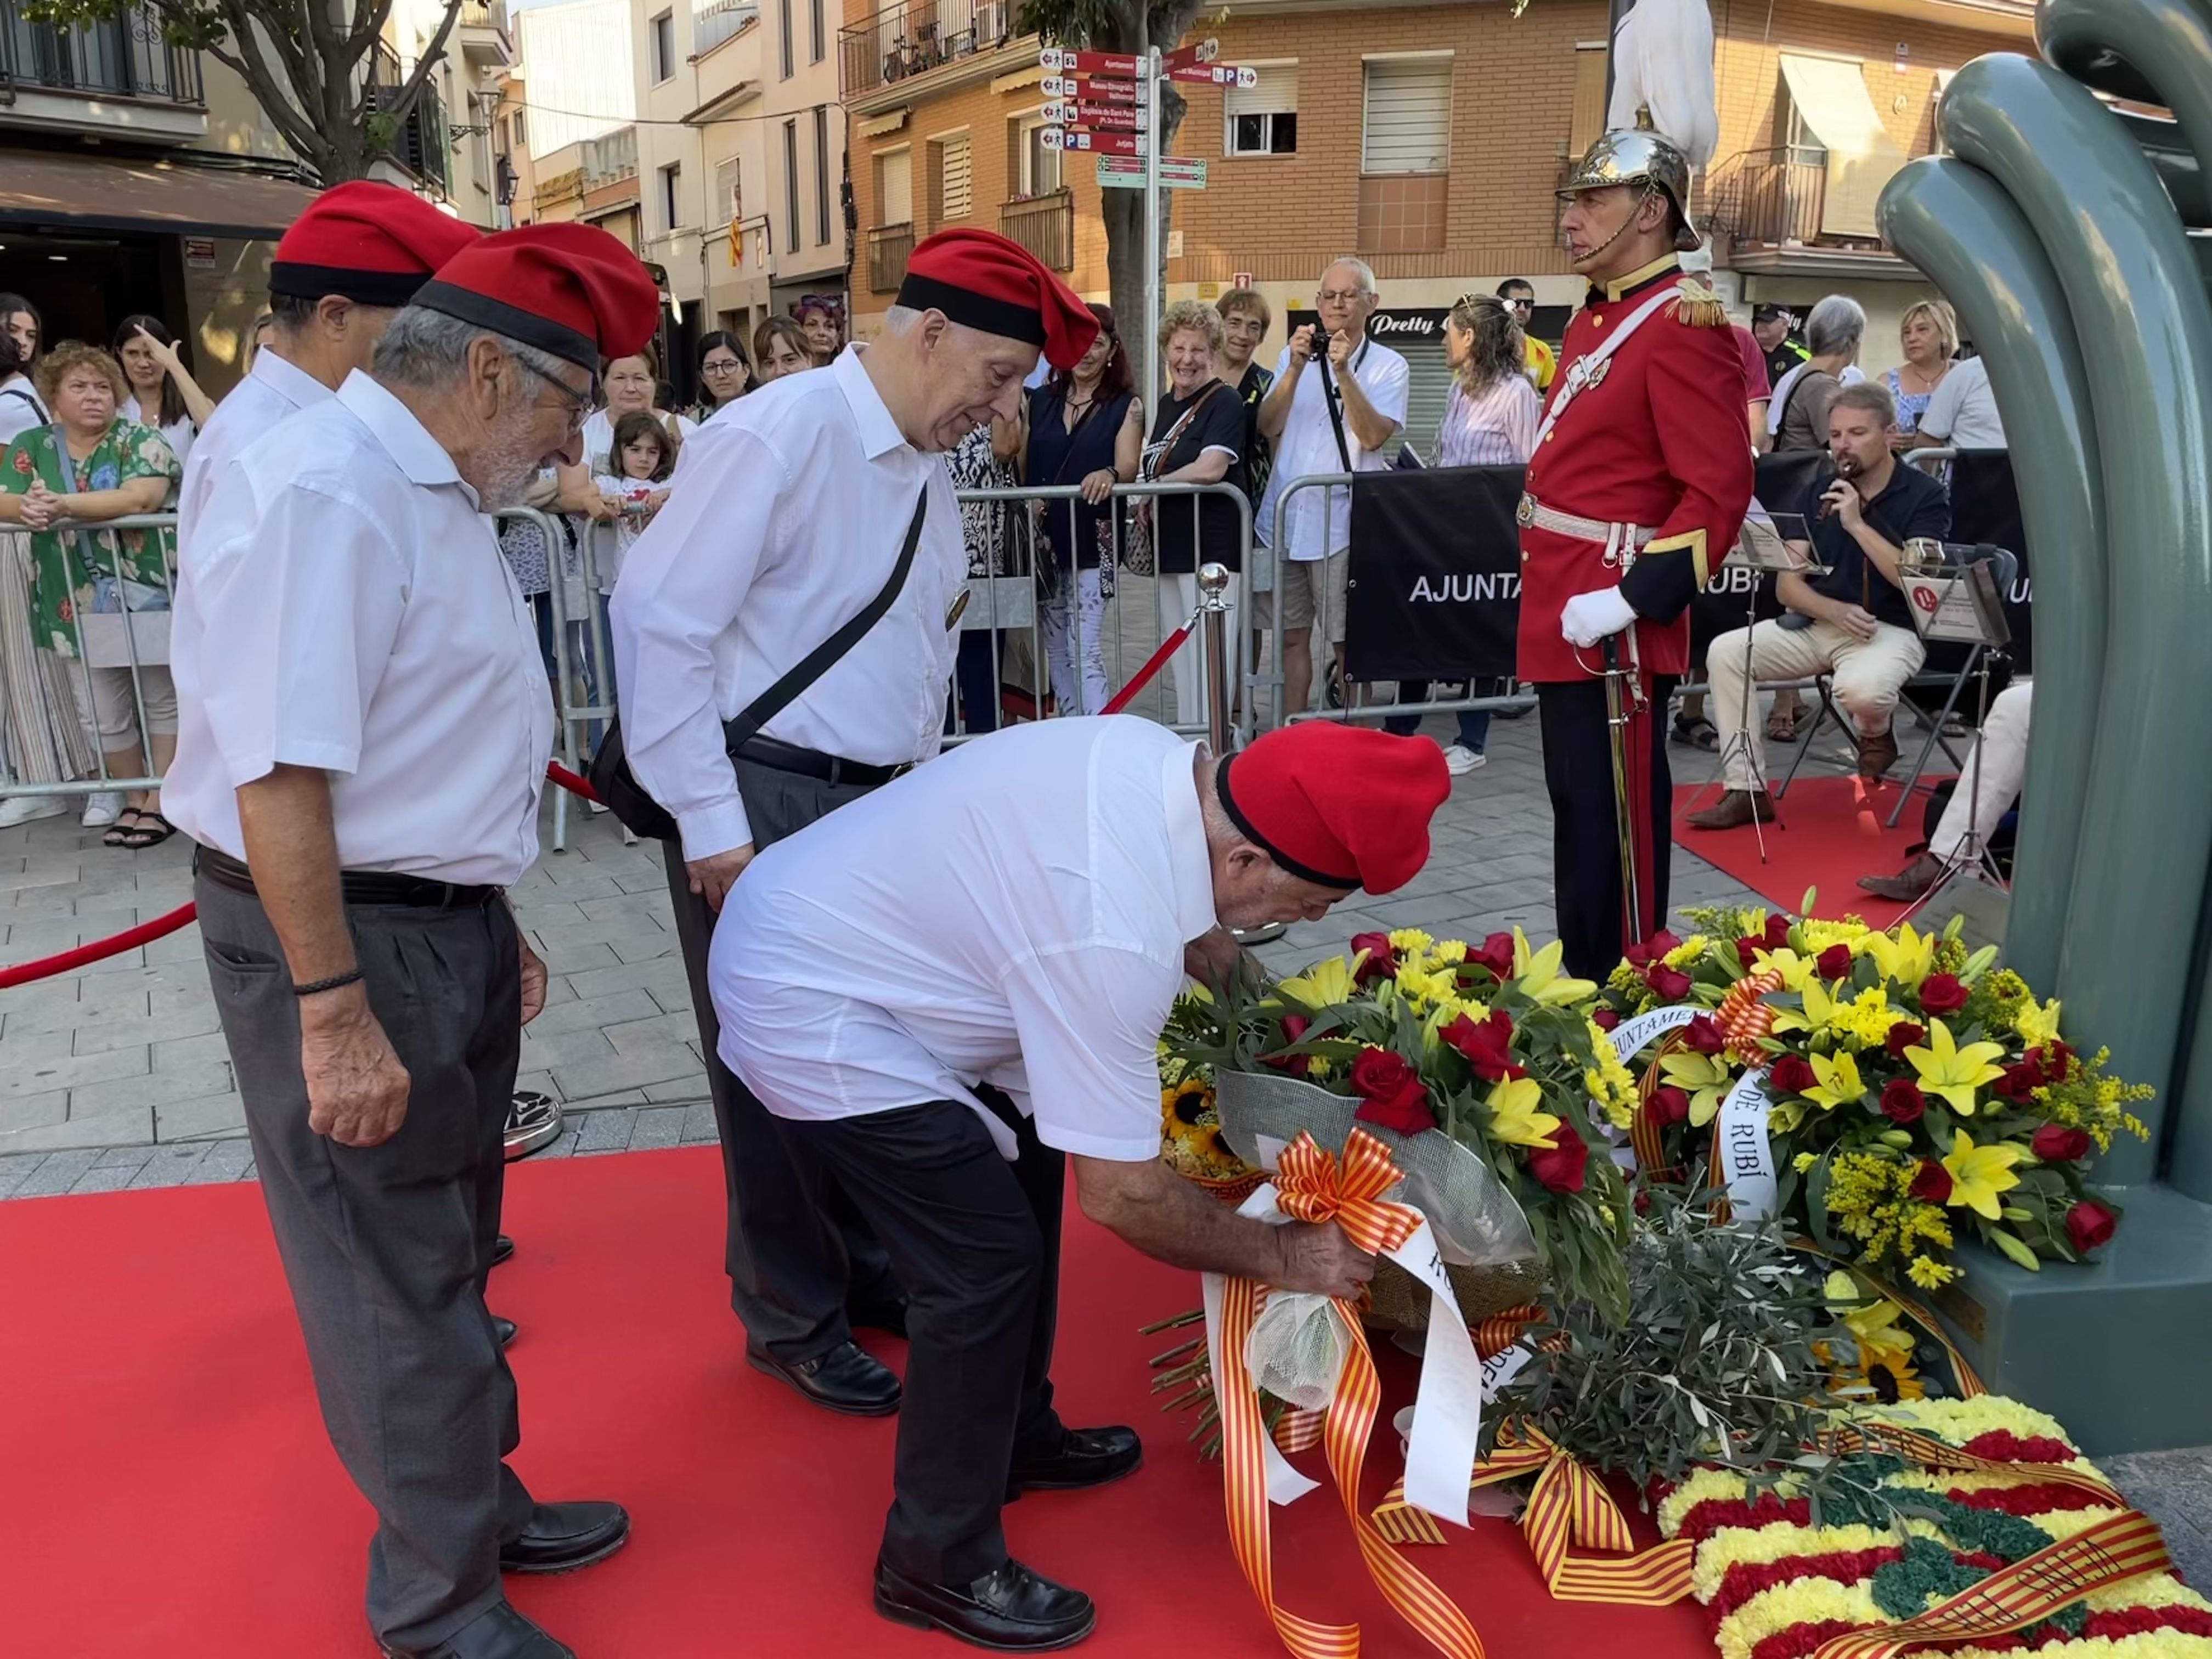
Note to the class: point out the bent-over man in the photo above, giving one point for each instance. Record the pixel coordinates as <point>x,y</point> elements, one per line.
<point>950,987</point>
<point>818,502</point>
<point>363,781</point>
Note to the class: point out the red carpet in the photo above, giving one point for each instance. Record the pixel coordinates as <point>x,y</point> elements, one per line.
<point>170,1492</point>
<point>1827,835</point>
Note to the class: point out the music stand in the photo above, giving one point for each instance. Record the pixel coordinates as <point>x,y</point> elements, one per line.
<point>1951,592</point>
<point>1767,544</point>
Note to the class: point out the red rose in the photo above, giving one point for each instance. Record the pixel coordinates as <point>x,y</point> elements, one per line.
<point>1702,1036</point>
<point>1395,1095</point>
<point>1488,1047</point>
<point>2089,1224</point>
<point>2055,1143</point>
<point>1941,994</point>
<point>1382,960</point>
<point>2056,1060</point>
<point>1793,1074</point>
<point>1294,1027</point>
<point>1497,955</point>
<point>1932,1182</point>
<point>1668,984</point>
<point>1835,962</point>
<point>1669,1105</point>
<point>1561,1166</point>
<point>1747,947</point>
<point>1905,1035</point>
<point>1902,1102</point>
<point>1777,932</point>
<point>1649,951</point>
<point>2020,1083</point>
<point>1605,1020</point>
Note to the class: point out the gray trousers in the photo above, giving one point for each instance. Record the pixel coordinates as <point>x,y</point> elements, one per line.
<point>386,1247</point>
<point>797,1250</point>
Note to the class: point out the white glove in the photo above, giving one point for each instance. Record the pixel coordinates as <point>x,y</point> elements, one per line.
<point>1588,617</point>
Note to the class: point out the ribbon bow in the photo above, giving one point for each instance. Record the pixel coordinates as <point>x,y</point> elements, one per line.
<point>1310,1185</point>
<point>1569,1507</point>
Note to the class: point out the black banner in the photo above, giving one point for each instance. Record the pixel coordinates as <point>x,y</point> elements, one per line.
<point>1436,564</point>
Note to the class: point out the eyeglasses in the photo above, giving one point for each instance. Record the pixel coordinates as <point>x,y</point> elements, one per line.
<point>726,366</point>
<point>1521,305</point>
<point>1343,296</point>
<point>576,405</point>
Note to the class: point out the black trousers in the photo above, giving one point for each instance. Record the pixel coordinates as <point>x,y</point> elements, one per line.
<point>386,1249</point>
<point>975,1242</point>
<point>1585,834</point>
<point>796,1251</point>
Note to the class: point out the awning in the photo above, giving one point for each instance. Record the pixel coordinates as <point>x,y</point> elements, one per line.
<point>1830,95</point>
<point>63,190</point>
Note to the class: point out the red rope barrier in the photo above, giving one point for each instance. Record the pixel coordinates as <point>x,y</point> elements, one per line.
<point>1144,676</point>
<point>556,773</point>
<point>99,950</point>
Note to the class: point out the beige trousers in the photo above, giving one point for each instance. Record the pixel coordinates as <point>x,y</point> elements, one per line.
<point>1866,674</point>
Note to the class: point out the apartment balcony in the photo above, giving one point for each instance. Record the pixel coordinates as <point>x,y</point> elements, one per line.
<point>1045,225</point>
<point>420,140</point>
<point>1776,208</point>
<point>482,33</point>
<point>117,76</point>
<point>714,21</point>
<point>1402,212</point>
<point>890,246</point>
<point>917,37</point>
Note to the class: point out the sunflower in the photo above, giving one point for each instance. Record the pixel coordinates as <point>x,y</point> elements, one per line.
<point>1189,1105</point>
<point>1867,1376</point>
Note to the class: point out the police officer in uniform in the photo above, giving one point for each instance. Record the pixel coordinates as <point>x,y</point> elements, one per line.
<point>1637,486</point>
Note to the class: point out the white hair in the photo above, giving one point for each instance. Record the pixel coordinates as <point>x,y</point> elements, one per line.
<point>424,348</point>
<point>899,318</point>
<point>1838,324</point>
<point>1359,267</point>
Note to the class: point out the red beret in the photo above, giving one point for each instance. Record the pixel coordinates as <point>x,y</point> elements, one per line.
<point>979,278</point>
<point>370,243</point>
<point>570,289</point>
<point>1344,805</point>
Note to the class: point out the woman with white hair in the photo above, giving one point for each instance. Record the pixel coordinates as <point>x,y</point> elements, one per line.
<point>1798,414</point>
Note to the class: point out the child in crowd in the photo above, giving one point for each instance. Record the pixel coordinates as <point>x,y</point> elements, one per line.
<point>644,455</point>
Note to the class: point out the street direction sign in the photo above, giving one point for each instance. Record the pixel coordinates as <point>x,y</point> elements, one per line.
<point>1106,90</point>
<point>1177,173</point>
<point>1103,143</point>
<point>1216,75</point>
<point>1119,117</point>
<point>1063,60</point>
<point>1199,52</point>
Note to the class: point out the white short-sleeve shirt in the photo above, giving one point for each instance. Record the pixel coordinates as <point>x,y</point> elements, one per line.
<point>346,608</point>
<point>272,391</point>
<point>1307,446</point>
<point>1013,913</point>
<point>1962,411</point>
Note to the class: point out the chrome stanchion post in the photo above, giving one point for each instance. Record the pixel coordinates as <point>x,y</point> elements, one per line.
<point>1213,606</point>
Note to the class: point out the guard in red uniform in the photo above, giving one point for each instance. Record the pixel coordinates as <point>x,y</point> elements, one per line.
<point>1637,486</point>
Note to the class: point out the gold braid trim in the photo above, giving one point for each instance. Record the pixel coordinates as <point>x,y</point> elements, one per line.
<point>1700,307</point>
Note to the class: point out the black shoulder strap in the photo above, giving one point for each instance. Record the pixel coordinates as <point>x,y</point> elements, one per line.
<point>824,656</point>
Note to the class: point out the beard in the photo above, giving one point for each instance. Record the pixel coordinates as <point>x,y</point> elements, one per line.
<point>505,466</point>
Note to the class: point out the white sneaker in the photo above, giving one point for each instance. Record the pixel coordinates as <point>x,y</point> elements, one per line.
<point>102,808</point>
<point>22,809</point>
<point>1460,760</point>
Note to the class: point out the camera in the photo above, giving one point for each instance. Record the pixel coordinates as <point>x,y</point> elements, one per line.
<point>1320,340</point>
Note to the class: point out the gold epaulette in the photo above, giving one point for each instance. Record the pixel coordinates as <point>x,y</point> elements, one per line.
<point>1698,306</point>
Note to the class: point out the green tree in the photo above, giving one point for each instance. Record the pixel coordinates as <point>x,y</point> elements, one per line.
<point>307,64</point>
<point>1125,26</point>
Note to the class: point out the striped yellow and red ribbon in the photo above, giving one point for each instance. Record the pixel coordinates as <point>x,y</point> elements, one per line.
<point>1927,1452</point>
<point>2031,1589</point>
<point>1569,1507</point>
<point>1313,1185</point>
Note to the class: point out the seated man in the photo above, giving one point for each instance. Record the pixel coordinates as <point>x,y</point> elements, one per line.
<point>946,988</point>
<point>1851,623</point>
<point>1988,785</point>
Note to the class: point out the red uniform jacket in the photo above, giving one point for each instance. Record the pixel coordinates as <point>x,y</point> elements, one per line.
<point>1659,440</point>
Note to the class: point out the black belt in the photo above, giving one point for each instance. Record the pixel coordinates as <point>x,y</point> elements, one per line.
<point>355,886</point>
<point>812,763</point>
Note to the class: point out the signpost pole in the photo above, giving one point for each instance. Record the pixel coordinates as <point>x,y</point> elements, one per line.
<point>1151,349</point>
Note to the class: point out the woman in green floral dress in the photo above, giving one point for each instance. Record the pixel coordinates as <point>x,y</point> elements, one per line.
<point>89,466</point>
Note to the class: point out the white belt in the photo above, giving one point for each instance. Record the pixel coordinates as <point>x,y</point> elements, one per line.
<point>1621,541</point>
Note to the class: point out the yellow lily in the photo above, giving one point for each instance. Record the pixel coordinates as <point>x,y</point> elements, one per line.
<point>1326,983</point>
<point>1953,1072</point>
<point>1978,1174</point>
<point>1880,1338</point>
<point>2037,1026</point>
<point>1796,971</point>
<point>1908,958</point>
<point>1539,976</point>
<point>1706,1077</point>
<point>1514,1114</point>
<point>1840,1083</point>
<point>1819,1007</point>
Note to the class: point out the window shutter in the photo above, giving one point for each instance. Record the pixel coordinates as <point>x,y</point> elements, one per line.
<point>1275,94</point>
<point>729,191</point>
<point>1586,123</point>
<point>1408,117</point>
<point>898,188</point>
<point>957,191</point>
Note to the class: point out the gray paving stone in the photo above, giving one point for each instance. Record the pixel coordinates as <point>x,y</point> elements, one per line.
<point>664,975</point>
<point>605,1132</point>
<point>543,1051</point>
<point>682,1090</point>
<point>58,1173</point>
<point>189,1051</point>
<point>642,1067</point>
<point>170,1166</point>
<point>699,1124</point>
<point>131,1126</point>
<point>659,1126</point>
<point>656,1033</point>
<point>123,1030</point>
<point>222,1160</point>
<point>205,1117</point>
<point>108,1178</point>
<point>646,948</point>
<point>153,1089</point>
<point>578,1014</point>
<point>580,958</point>
<point>17,1168</point>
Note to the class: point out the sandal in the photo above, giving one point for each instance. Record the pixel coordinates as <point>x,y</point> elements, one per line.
<point>1696,731</point>
<point>119,833</point>
<point>151,830</point>
<point>1783,728</point>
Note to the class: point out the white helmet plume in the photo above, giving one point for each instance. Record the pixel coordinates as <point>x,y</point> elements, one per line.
<point>1663,62</point>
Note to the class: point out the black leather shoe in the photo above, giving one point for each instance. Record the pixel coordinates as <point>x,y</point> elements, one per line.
<point>504,1329</point>
<point>846,1379</point>
<point>502,1248</point>
<point>500,1632</point>
<point>563,1537</point>
<point>1009,1610</point>
<point>1088,1457</point>
<point>889,1317</point>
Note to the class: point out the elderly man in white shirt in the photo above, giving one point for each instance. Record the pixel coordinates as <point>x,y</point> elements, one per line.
<point>1315,432</point>
<point>782,650</point>
<point>340,274</point>
<point>950,987</point>
<point>363,776</point>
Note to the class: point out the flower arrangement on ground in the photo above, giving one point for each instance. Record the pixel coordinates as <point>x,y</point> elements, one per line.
<point>1492,1046</point>
<point>1918,1095</point>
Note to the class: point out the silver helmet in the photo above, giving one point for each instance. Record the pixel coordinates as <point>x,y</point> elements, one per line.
<point>1640,155</point>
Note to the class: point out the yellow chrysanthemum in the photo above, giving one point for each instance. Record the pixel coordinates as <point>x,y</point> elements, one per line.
<point>1978,1174</point>
<point>1449,949</point>
<point>1840,930</point>
<point>1864,1021</point>
<point>1422,988</point>
<point>1516,1117</point>
<point>1410,942</point>
<point>1953,1072</point>
<point>1687,952</point>
<point>1929,1274</point>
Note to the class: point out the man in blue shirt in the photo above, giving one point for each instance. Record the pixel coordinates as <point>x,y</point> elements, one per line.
<point>1850,623</point>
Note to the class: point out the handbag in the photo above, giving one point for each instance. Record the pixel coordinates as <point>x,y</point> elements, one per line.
<point>617,787</point>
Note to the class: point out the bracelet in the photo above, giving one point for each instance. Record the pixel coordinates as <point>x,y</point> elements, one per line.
<point>352,975</point>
